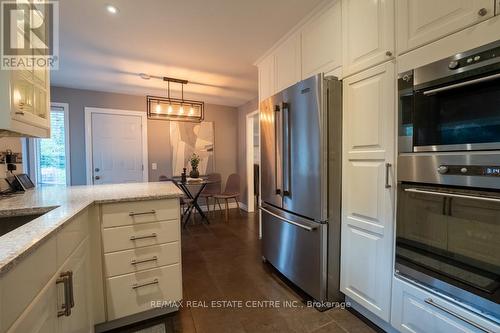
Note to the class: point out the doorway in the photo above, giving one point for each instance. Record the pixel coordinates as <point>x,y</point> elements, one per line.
<point>253,159</point>
<point>116,146</point>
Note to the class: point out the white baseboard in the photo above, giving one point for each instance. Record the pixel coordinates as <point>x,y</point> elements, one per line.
<point>244,206</point>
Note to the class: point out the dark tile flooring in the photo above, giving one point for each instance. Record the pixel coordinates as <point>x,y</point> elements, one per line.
<point>222,262</point>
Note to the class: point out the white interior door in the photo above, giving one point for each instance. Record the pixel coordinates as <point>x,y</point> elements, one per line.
<point>117,148</point>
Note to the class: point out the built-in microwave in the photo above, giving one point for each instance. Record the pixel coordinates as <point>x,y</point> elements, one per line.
<point>452,104</point>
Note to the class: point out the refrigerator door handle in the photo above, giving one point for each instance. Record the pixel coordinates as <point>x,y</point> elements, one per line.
<point>300,225</point>
<point>286,148</point>
<point>277,134</point>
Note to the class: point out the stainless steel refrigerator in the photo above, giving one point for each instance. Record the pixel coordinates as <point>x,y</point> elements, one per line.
<point>301,184</point>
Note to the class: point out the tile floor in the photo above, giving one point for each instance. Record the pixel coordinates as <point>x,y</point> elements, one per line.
<point>222,261</point>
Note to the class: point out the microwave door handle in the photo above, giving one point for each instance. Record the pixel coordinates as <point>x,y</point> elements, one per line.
<point>286,148</point>
<point>452,195</point>
<point>462,84</point>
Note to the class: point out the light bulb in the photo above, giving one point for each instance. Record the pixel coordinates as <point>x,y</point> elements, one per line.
<point>170,109</point>
<point>181,110</point>
<point>17,96</point>
<point>191,111</point>
<point>158,107</point>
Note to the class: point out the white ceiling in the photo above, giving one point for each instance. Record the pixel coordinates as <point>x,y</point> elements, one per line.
<point>211,43</point>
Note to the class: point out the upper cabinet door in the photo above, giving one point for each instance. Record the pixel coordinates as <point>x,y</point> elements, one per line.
<point>420,22</point>
<point>322,41</point>
<point>267,85</point>
<point>287,63</point>
<point>368,33</point>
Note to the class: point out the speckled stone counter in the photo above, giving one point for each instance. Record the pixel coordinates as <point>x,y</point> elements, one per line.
<point>61,204</point>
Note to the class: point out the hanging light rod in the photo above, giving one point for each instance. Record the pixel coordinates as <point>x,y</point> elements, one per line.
<point>146,76</point>
<point>171,79</point>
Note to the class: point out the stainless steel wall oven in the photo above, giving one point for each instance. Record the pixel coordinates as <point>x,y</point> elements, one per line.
<point>448,201</point>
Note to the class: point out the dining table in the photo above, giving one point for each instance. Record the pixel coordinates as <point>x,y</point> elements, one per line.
<point>192,189</point>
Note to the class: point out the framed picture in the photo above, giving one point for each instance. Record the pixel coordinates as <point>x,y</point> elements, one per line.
<point>187,139</point>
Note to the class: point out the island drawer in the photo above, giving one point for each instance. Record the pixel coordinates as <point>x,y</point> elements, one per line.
<point>131,213</point>
<point>129,261</point>
<point>140,235</point>
<point>133,293</point>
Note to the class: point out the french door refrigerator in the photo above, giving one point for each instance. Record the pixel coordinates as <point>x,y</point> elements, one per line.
<point>301,184</point>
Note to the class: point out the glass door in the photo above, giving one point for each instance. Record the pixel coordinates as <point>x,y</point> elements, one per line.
<point>50,163</point>
<point>452,235</point>
<point>462,115</point>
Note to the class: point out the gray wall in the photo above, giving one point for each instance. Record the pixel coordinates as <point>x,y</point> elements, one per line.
<point>224,117</point>
<point>243,110</point>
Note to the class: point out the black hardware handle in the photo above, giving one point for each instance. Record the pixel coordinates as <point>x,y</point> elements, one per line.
<point>276,135</point>
<point>286,149</point>
<point>152,211</point>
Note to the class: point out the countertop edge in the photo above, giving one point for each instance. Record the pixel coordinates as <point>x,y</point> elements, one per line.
<point>38,241</point>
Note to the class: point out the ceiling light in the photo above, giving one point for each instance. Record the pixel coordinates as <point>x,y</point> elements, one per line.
<point>112,9</point>
<point>174,106</point>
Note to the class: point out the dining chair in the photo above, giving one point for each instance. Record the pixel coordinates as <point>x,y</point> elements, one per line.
<point>231,191</point>
<point>213,188</point>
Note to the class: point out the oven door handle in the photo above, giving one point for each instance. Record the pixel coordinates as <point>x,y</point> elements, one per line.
<point>462,84</point>
<point>452,195</point>
<point>430,301</point>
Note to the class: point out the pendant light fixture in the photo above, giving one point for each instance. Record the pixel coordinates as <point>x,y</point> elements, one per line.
<point>168,108</point>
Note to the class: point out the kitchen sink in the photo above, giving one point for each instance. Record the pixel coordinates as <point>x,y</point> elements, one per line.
<point>9,223</point>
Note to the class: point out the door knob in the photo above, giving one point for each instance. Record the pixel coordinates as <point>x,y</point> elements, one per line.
<point>482,12</point>
<point>97,177</point>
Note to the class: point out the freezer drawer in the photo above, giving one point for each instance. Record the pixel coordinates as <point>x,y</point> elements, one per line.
<point>297,250</point>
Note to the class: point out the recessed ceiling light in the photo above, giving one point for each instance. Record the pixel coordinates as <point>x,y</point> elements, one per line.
<point>112,9</point>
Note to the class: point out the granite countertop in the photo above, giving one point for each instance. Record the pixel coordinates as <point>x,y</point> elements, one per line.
<point>61,203</point>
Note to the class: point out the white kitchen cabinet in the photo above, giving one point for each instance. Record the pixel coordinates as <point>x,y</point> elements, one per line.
<point>287,63</point>
<point>322,42</point>
<point>368,188</point>
<point>45,312</point>
<point>419,22</point>
<point>25,99</point>
<point>416,310</point>
<point>368,34</point>
<point>141,244</point>
<point>267,83</point>
<point>41,314</point>
<point>80,319</point>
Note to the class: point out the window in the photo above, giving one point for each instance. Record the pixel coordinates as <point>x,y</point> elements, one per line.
<point>49,158</point>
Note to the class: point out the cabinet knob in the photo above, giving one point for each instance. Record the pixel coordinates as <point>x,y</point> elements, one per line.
<point>388,53</point>
<point>97,177</point>
<point>482,12</point>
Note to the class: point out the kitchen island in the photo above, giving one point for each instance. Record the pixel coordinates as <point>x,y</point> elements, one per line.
<point>107,248</point>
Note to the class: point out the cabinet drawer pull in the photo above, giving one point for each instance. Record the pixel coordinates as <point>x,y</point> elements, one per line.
<point>153,235</point>
<point>21,113</point>
<point>141,261</point>
<point>139,285</point>
<point>65,278</point>
<point>387,174</point>
<point>430,301</point>
<point>152,211</point>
